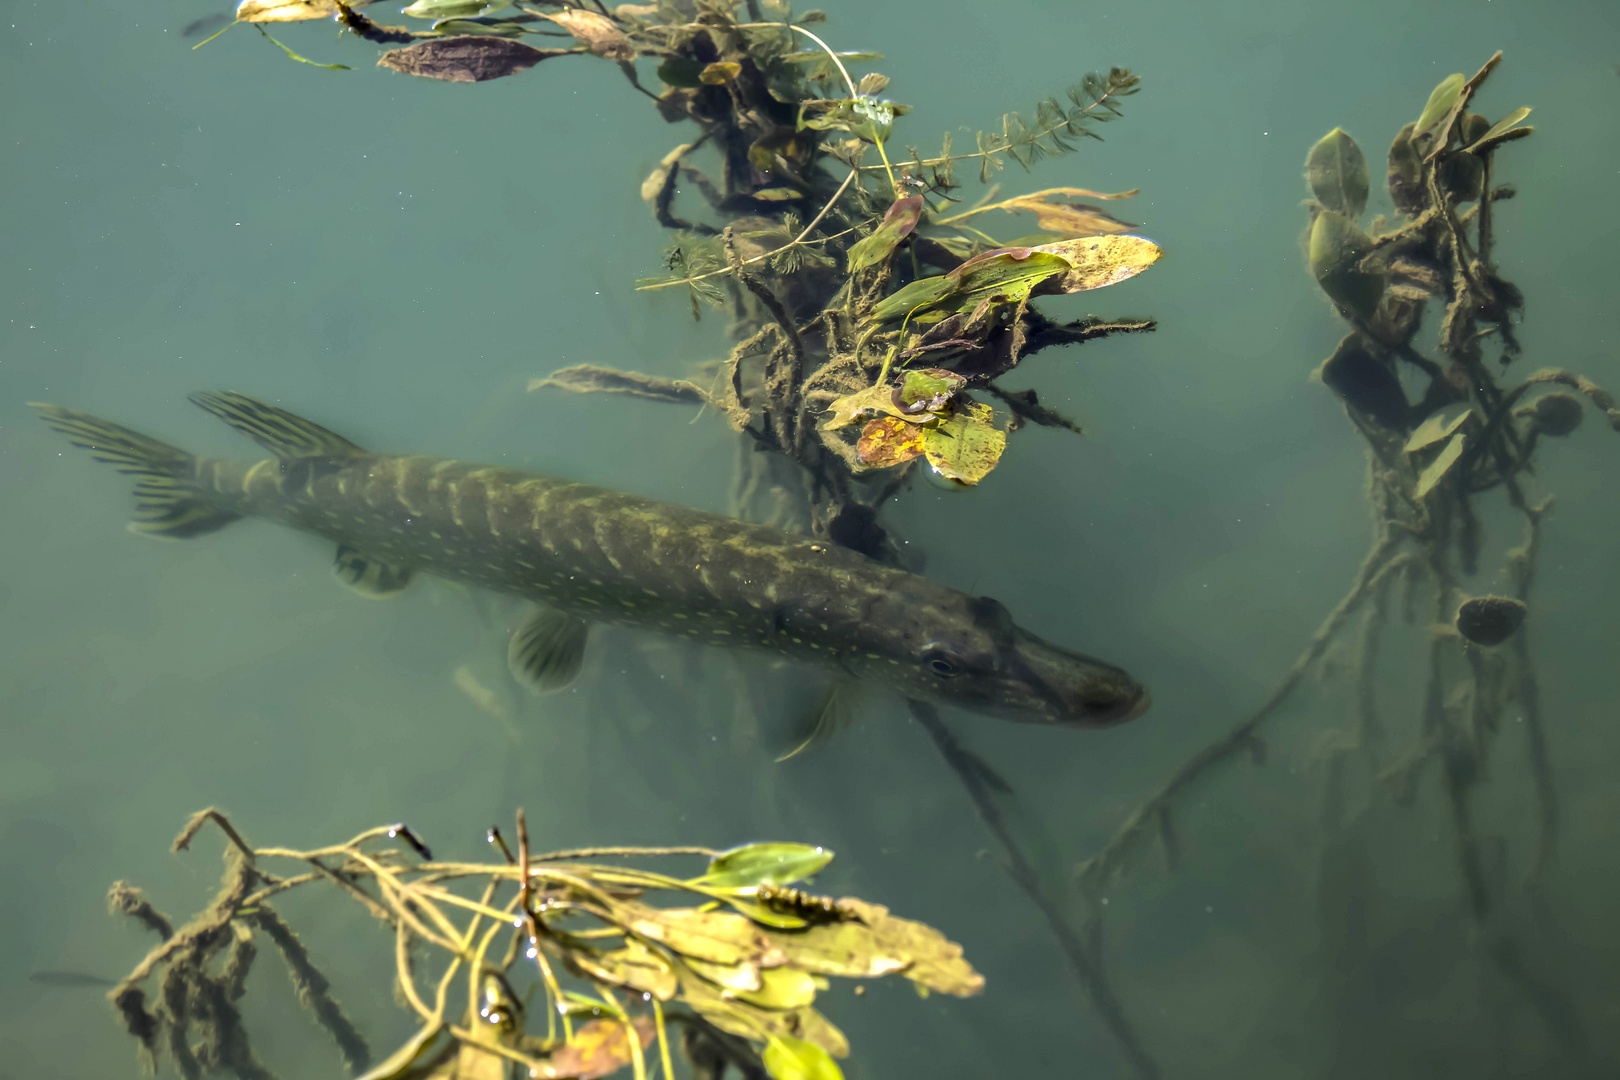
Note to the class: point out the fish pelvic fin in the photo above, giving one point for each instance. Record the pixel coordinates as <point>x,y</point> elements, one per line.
<point>370,577</point>
<point>834,712</point>
<point>283,434</point>
<point>169,503</point>
<point>546,652</point>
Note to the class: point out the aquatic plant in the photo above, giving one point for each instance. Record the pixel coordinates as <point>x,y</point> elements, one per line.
<point>867,309</point>
<point>737,969</point>
<point>1444,432</point>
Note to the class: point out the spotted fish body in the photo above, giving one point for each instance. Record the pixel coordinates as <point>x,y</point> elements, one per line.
<point>591,555</point>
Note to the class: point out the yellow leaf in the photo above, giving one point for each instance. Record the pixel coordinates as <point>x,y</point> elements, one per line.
<point>597,32</point>
<point>258,11</point>
<point>720,72</point>
<point>852,407</point>
<point>720,937</point>
<point>889,440</point>
<point>1097,261</point>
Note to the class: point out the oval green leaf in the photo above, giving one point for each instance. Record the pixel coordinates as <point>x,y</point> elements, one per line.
<point>1336,249</point>
<point>765,864</point>
<point>1337,173</point>
<point>453,9</point>
<point>1439,466</point>
<point>787,1058</point>
<point>1441,100</point>
<point>1503,130</point>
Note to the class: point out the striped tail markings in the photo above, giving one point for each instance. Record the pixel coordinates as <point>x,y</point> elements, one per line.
<point>169,502</point>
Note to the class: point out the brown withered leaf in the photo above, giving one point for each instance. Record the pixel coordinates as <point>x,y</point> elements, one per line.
<point>1055,214</point>
<point>599,1048</point>
<point>596,32</point>
<point>888,441</point>
<point>881,944</point>
<point>591,379</point>
<point>634,967</point>
<point>472,58</point>
<point>262,11</point>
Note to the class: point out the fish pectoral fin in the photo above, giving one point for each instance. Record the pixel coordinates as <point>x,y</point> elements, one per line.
<point>834,712</point>
<point>546,652</point>
<point>371,578</point>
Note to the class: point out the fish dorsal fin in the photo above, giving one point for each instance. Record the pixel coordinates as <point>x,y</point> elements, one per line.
<point>546,652</point>
<point>370,577</point>
<point>277,430</point>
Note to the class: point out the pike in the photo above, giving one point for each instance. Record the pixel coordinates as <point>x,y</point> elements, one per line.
<point>590,555</point>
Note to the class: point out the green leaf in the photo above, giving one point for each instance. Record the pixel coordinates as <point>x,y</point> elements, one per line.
<point>787,1058</point>
<point>1005,276</point>
<point>764,864</point>
<point>867,117</point>
<point>901,219</point>
<point>681,71</point>
<point>490,27</point>
<point>919,293</point>
<point>1439,466</point>
<point>1441,100</point>
<point>1503,130</point>
<point>965,446</point>
<point>1336,250</point>
<point>301,59</point>
<point>453,9</point>
<point>930,387</point>
<point>1337,173</point>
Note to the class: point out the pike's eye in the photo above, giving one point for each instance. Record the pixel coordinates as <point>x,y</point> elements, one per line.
<point>942,663</point>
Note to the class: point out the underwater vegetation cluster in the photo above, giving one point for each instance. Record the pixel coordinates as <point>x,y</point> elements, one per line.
<point>736,971</point>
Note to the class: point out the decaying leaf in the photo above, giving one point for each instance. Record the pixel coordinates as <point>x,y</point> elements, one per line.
<point>966,445</point>
<point>589,379</point>
<point>596,32</point>
<point>1099,261</point>
<point>654,184</point>
<point>474,58</point>
<point>852,407</point>
<point>744,976</point>
<point>1054,213</point>
<point>901,219</point>
<point>257,11</point>
<point>634,967</point>
<point>1441,465</point>
<point>890,440</point>
<point>720,937</point>
<point>731,1014</point>
<point>599,1048</point>
<point>875,943</point>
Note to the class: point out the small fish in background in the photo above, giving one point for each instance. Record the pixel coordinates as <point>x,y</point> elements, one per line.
<point>488,699</point>
<point>209,23</point>
<point>71,980</point>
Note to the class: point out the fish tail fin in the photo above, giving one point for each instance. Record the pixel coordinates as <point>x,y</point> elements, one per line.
<point>169,503</point>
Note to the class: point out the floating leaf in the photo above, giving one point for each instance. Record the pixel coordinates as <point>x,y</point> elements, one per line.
<point>1439,466</point>
<point>719,73</point>
<point>852,407</point>
<point>888,441</point>
<point>1336,250</point>
<point>599,1048</point>
<point>867,117</point>
<point>257,11</point>
<point>596,32</point>
<point>781,988</point>
<point>874,943</point>
<point>930,388</point>
<point>731,1014</point>
<point>1337,173</point>
<point>493,28</point>
<point>453,9</point>
<point>918,294</point>
<point>1098,261</point>
<point>720,937</point>
<point>744,976</point>
<point>764,864</point>
<point>1006,275</point>
<point>1502,131</point>
<point>965,446</point>
<point>901,219</point>
<point>787,1058</point>
<point>635,967</point>
<point>466,59</point>
<point>1441,99</point>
